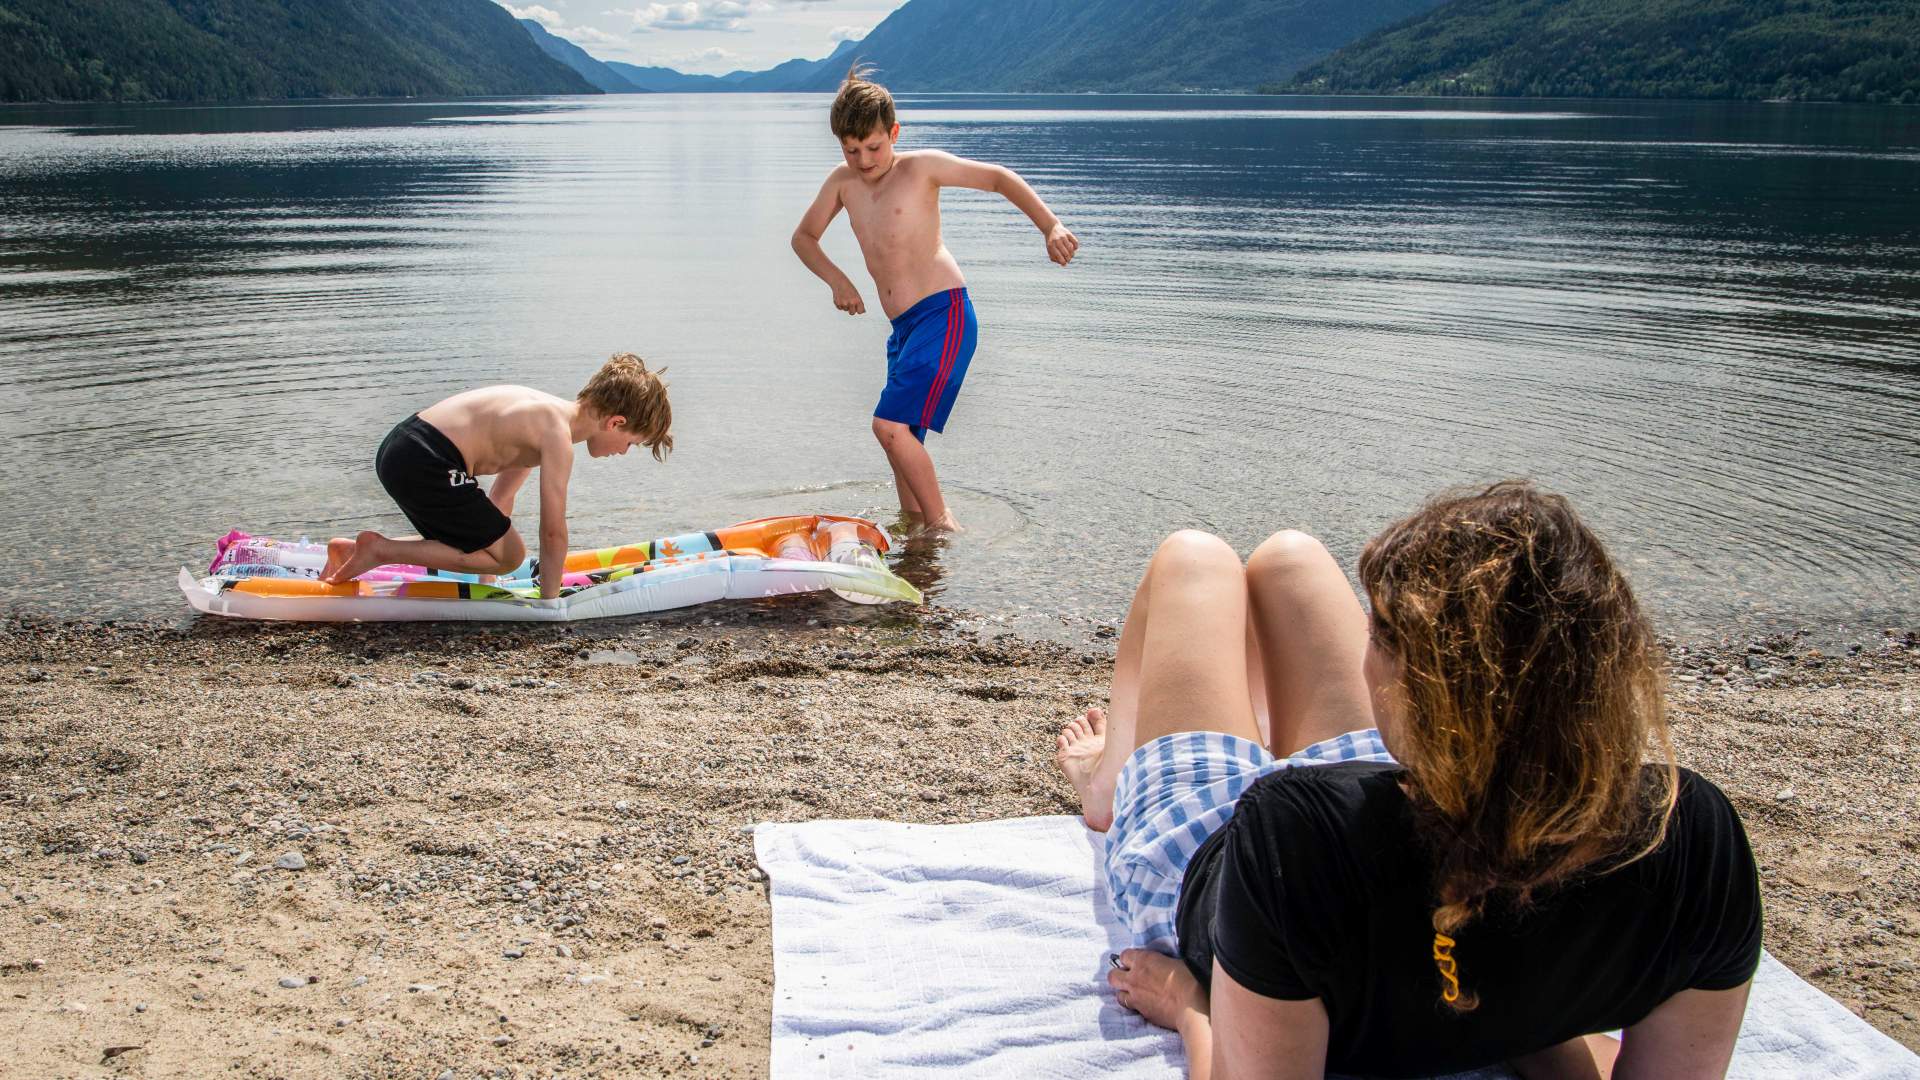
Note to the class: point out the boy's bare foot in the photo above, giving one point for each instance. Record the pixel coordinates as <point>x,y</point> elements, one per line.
<point>339,550</point>
<point>944,524</point>
<point>1076,752</point>
<point>362,555</point>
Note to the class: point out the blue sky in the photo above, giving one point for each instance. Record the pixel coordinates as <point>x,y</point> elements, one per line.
<point>710,36</point>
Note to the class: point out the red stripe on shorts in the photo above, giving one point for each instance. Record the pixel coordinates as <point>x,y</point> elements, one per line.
<point>956,333</point>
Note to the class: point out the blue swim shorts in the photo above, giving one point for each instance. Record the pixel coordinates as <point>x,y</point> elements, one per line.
<point>927,357</point>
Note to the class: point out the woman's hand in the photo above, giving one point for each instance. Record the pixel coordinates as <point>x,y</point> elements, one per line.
<point>1158,987</point>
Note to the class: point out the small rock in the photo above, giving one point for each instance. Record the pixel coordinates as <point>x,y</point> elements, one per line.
<point>358,980</point>
<point>513,954</point>
<point>136,856</point>
<point>292,860</point>
<point>565,952</point>
<point>140,1008</point>
<point>502,1040</point>
<point>617,657</point>
<point>421,988</point>
<point>295,982</point>
<point>681,860</point>
<point>658,924</point>
<point>931,795</point>
<point>1785,794</point>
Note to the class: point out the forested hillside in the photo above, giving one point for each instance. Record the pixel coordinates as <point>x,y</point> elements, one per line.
<point>207,50</point>
<point>1108,45</point>
<point>1811,50</point>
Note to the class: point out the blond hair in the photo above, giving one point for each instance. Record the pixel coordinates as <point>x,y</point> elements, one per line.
<point>624,387</point>
<point>862,106</point>
<point>1531,695</point>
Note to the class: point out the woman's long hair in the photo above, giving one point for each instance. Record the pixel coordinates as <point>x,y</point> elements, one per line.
<point>1528,695</point>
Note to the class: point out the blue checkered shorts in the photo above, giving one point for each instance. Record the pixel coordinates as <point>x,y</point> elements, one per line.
<point>1176,791</point>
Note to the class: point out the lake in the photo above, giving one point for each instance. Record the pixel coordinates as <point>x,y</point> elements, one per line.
<point>1700,321</point>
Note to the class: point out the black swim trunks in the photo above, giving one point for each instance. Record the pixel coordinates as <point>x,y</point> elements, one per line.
<point>427,475</point>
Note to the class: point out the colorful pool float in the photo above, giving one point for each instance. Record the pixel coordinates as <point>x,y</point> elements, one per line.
<point>254,577</point>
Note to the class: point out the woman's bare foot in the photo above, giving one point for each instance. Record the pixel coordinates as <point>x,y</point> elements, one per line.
<point>362,554</point>
<point>1077,755</point>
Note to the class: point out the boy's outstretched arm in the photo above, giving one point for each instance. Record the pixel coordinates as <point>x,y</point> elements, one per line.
<point>806,244</point>
<point>951,171</point>
<point>556,468</point>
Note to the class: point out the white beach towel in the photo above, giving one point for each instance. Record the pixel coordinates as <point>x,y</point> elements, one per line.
<point>981,951</point>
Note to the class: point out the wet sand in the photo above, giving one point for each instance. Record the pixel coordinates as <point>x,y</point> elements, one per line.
<point>286,851</point>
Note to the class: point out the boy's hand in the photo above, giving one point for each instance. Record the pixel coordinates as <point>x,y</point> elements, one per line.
<point>847,299</point>
<point>1061,244</point>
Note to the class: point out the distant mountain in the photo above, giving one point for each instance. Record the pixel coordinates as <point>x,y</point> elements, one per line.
<point>1101,45</point>
<point>201,50</point>
<point>603,77</point>
<point>797,74</point>
<point>1814,50</point>
<point>666,80</point>
<point>787,76</point>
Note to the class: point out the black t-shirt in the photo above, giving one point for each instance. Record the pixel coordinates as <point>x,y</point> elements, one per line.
<point>1319,888</point>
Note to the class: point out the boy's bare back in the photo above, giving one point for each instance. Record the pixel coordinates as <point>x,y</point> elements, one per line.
<point>505,427</point>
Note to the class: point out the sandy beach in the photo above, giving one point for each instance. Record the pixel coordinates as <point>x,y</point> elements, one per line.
<point>287,851</point>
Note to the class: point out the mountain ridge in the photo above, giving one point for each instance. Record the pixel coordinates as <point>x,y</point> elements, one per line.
<point>596,72</point>
<point>1812,50</point>
<point>211,50</point>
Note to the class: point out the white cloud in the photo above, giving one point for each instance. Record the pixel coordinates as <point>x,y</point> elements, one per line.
<point>587,35</point>
<point>546,17</point>
<point>848,33</point>
<point>714,55</point>
<point>725,15</point>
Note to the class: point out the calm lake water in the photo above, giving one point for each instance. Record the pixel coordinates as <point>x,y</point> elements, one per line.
<point>1700,321</point>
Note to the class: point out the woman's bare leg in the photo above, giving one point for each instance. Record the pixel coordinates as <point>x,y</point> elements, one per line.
<point>1313,642</point>
<point>1184,668</point>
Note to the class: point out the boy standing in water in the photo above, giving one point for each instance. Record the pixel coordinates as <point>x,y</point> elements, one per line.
<point>431,461</point>
<point>893,203</point>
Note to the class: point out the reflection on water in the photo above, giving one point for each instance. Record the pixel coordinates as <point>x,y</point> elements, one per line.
<point>1698,320</point>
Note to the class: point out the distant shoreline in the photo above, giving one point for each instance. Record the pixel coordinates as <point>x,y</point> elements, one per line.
<point>1260,92</point>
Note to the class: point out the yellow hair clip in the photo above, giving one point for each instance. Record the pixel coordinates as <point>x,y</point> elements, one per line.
<point>1449,968</point>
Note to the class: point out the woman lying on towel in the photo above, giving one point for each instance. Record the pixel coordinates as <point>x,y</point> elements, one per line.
<point>1481,865</point>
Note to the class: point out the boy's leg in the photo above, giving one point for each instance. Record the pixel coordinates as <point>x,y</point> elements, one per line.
<point>909,506</point>
<point>1182,669</point>
<point>1313,642</point>
<point>913,467</point>
<point>348,559</point>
